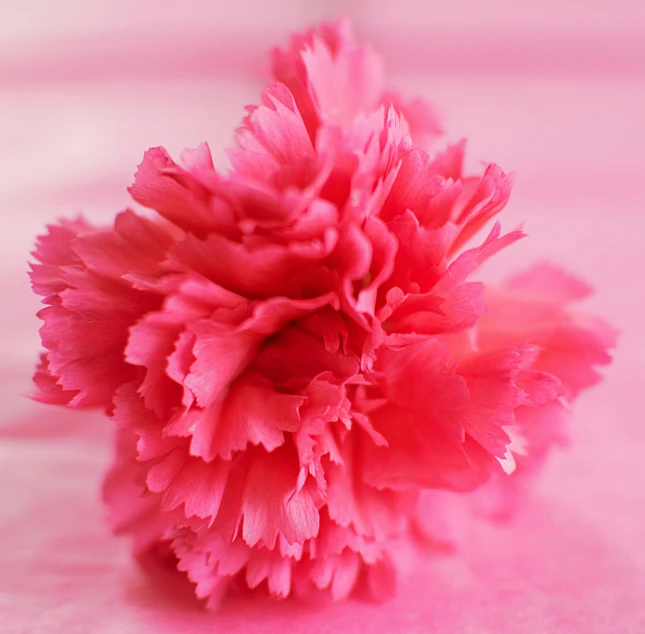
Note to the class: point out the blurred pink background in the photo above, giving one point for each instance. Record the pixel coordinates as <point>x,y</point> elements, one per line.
<point>553,90</point>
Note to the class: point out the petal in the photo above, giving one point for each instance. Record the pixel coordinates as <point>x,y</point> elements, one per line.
<point>253,412</point>
<point>196,484</point>
<point>270,504</point>
<point>493,394</point>
<point>273,138</point>
<point>176,194</point>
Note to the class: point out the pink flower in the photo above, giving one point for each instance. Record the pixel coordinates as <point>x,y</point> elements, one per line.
<point>294,353</point>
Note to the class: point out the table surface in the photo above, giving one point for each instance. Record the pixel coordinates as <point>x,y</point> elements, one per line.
<point>563,107</point>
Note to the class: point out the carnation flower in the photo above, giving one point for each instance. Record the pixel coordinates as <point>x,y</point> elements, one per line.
<point>301,370</point>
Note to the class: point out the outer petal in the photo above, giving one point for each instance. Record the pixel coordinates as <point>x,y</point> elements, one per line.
<point>53,251</point>
<point>196,484</point>
<point>123,492</point>
<point>572,346</point>
<point>351,502</point>
<point>345,84</point>
<point>273,139</point>
<point>356,82</point>
<point>493,395</point>
<point>253,412</point>
<point>178,195</point>
<point>270,504</point>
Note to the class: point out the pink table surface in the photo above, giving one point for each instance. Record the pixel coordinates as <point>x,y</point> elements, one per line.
<point>573,560</point>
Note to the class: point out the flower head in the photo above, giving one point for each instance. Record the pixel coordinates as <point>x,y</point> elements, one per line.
<point>294,351</point>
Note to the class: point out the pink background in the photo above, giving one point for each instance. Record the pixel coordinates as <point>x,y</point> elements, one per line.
<point>553,90</point>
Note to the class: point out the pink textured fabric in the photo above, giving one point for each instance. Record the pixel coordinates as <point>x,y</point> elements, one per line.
<point>302,370</point>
